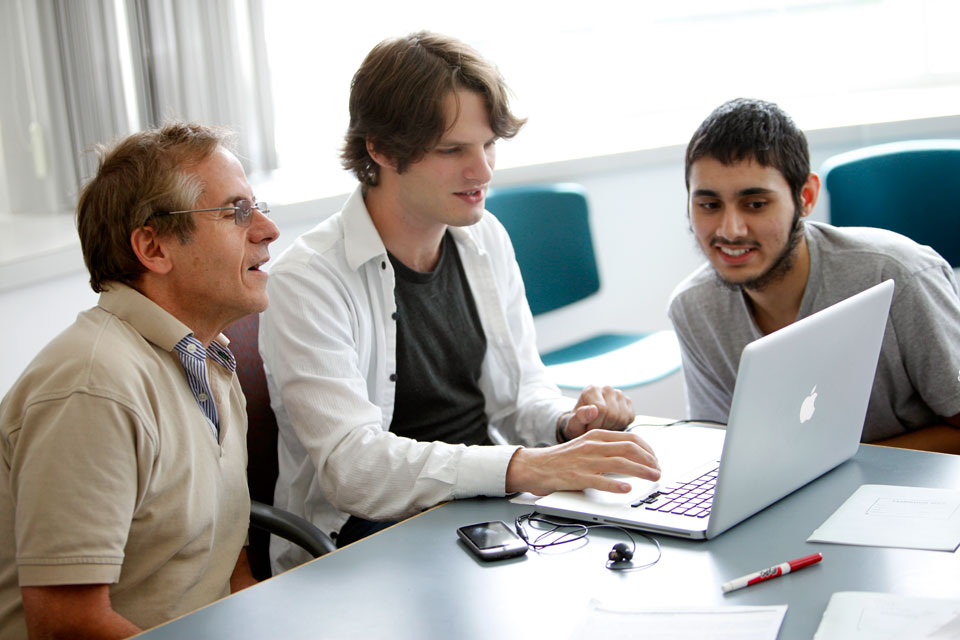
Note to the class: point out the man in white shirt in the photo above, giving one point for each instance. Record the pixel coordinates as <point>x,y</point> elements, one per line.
<point>399,340</point>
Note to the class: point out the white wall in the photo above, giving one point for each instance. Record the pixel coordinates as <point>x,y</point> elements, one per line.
<point>639,223</point>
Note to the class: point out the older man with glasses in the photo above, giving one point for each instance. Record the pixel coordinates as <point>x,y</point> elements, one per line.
<point>123,495</point>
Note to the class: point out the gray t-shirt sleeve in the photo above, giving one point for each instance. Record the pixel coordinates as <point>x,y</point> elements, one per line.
<point>926,318</point>
<point>708,392</point>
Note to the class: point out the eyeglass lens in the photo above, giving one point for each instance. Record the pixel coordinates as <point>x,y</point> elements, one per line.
<point>243,211</point>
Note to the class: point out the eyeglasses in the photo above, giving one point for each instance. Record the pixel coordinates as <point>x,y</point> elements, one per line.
<point>242,211</point>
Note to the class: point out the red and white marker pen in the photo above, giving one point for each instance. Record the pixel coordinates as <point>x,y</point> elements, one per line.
<point>771,573</point>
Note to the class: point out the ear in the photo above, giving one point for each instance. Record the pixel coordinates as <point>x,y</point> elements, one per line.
<point>380,158</point>
<point>809,194</point>
<point>151,249</point>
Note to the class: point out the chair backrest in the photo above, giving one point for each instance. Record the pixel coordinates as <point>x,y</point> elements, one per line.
<point>906,187</point>
<point>549,226</point>
<point>262,434</point>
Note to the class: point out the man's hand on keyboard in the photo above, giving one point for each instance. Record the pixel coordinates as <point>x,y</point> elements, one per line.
<point>584,462</point>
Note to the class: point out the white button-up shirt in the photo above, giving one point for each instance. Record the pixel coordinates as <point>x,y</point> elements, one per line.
<point>328,342</point>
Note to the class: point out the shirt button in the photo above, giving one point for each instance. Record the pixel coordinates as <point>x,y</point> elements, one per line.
<point>191,348</point>
<point>202,397</point>
<point>393,377</point>
<point>394,316</point>
<point>383,265</point>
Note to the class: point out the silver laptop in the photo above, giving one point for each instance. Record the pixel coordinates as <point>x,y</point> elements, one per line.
<point>797,412</point>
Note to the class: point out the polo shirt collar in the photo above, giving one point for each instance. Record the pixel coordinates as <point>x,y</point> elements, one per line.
<point>150,320</point>
<point>156,324</point>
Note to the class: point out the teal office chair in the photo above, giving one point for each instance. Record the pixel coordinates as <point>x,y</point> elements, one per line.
<point>262,434</point>
<point>550,229</point>
<point>907,187</point>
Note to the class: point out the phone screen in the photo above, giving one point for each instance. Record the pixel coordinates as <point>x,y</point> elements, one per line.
<point>489,534</point>
<point>492,540</point>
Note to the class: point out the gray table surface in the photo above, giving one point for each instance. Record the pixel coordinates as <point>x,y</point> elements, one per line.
<point>416,580</point>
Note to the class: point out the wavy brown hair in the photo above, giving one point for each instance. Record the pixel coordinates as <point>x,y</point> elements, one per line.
<point>397,99</point>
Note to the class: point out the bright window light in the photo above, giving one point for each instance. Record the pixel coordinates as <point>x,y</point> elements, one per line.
<point>604,77</point>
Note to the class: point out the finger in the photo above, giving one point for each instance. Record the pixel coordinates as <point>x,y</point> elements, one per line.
<point>604,483</point>
<point>615,482</point>
<point>587,414</point>
<point>579,419</point>
<point>624,407</point>
<point>645,469</point>
<point>597,419</point>
<point>615,410</point>
<point>648,448</point>
<point>589,395</point>
<point>620,444</point>
<point>637,470</point>
<point>618,410</point>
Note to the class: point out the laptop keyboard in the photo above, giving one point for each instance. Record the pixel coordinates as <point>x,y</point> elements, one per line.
<point>692,498</point>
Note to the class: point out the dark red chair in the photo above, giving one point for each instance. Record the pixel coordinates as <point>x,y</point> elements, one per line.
<point>265,519</point>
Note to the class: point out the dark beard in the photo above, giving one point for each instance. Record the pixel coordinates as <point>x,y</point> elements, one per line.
<point>778,270</point>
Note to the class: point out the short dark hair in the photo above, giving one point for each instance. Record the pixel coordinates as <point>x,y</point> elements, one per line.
<point>745,129</point>
<point>141,175</point>
<point>397,99</point>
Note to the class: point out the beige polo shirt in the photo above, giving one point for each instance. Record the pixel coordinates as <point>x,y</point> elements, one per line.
<point>110,474</point>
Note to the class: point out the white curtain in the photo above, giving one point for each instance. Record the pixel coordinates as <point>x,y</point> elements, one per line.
<point>67,87</point>
<point>206,61</point>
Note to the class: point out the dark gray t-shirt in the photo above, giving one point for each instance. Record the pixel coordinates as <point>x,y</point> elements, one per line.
<point>440,349</point>
<point>918,375</point>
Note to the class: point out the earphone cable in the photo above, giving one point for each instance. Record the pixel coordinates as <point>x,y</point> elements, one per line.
<point>558,533</point>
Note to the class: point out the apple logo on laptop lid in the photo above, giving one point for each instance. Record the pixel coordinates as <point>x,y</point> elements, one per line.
<point>807,408</point>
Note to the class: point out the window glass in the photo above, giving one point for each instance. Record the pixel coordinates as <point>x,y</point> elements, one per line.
<point>611,76</point>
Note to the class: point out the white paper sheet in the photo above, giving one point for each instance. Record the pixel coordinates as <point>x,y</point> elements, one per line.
<point>706,623</point>
<point>890,516</point>
<point>852,615</point>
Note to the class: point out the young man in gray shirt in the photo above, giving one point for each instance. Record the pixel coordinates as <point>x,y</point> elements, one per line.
<point>749,189</point>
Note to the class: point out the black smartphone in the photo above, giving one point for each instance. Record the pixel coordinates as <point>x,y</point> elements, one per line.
<point>492,540</point>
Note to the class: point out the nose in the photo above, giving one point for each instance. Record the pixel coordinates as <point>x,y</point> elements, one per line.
<point>732,224</point>
<point>262,228</point>
<point>480,165</point>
